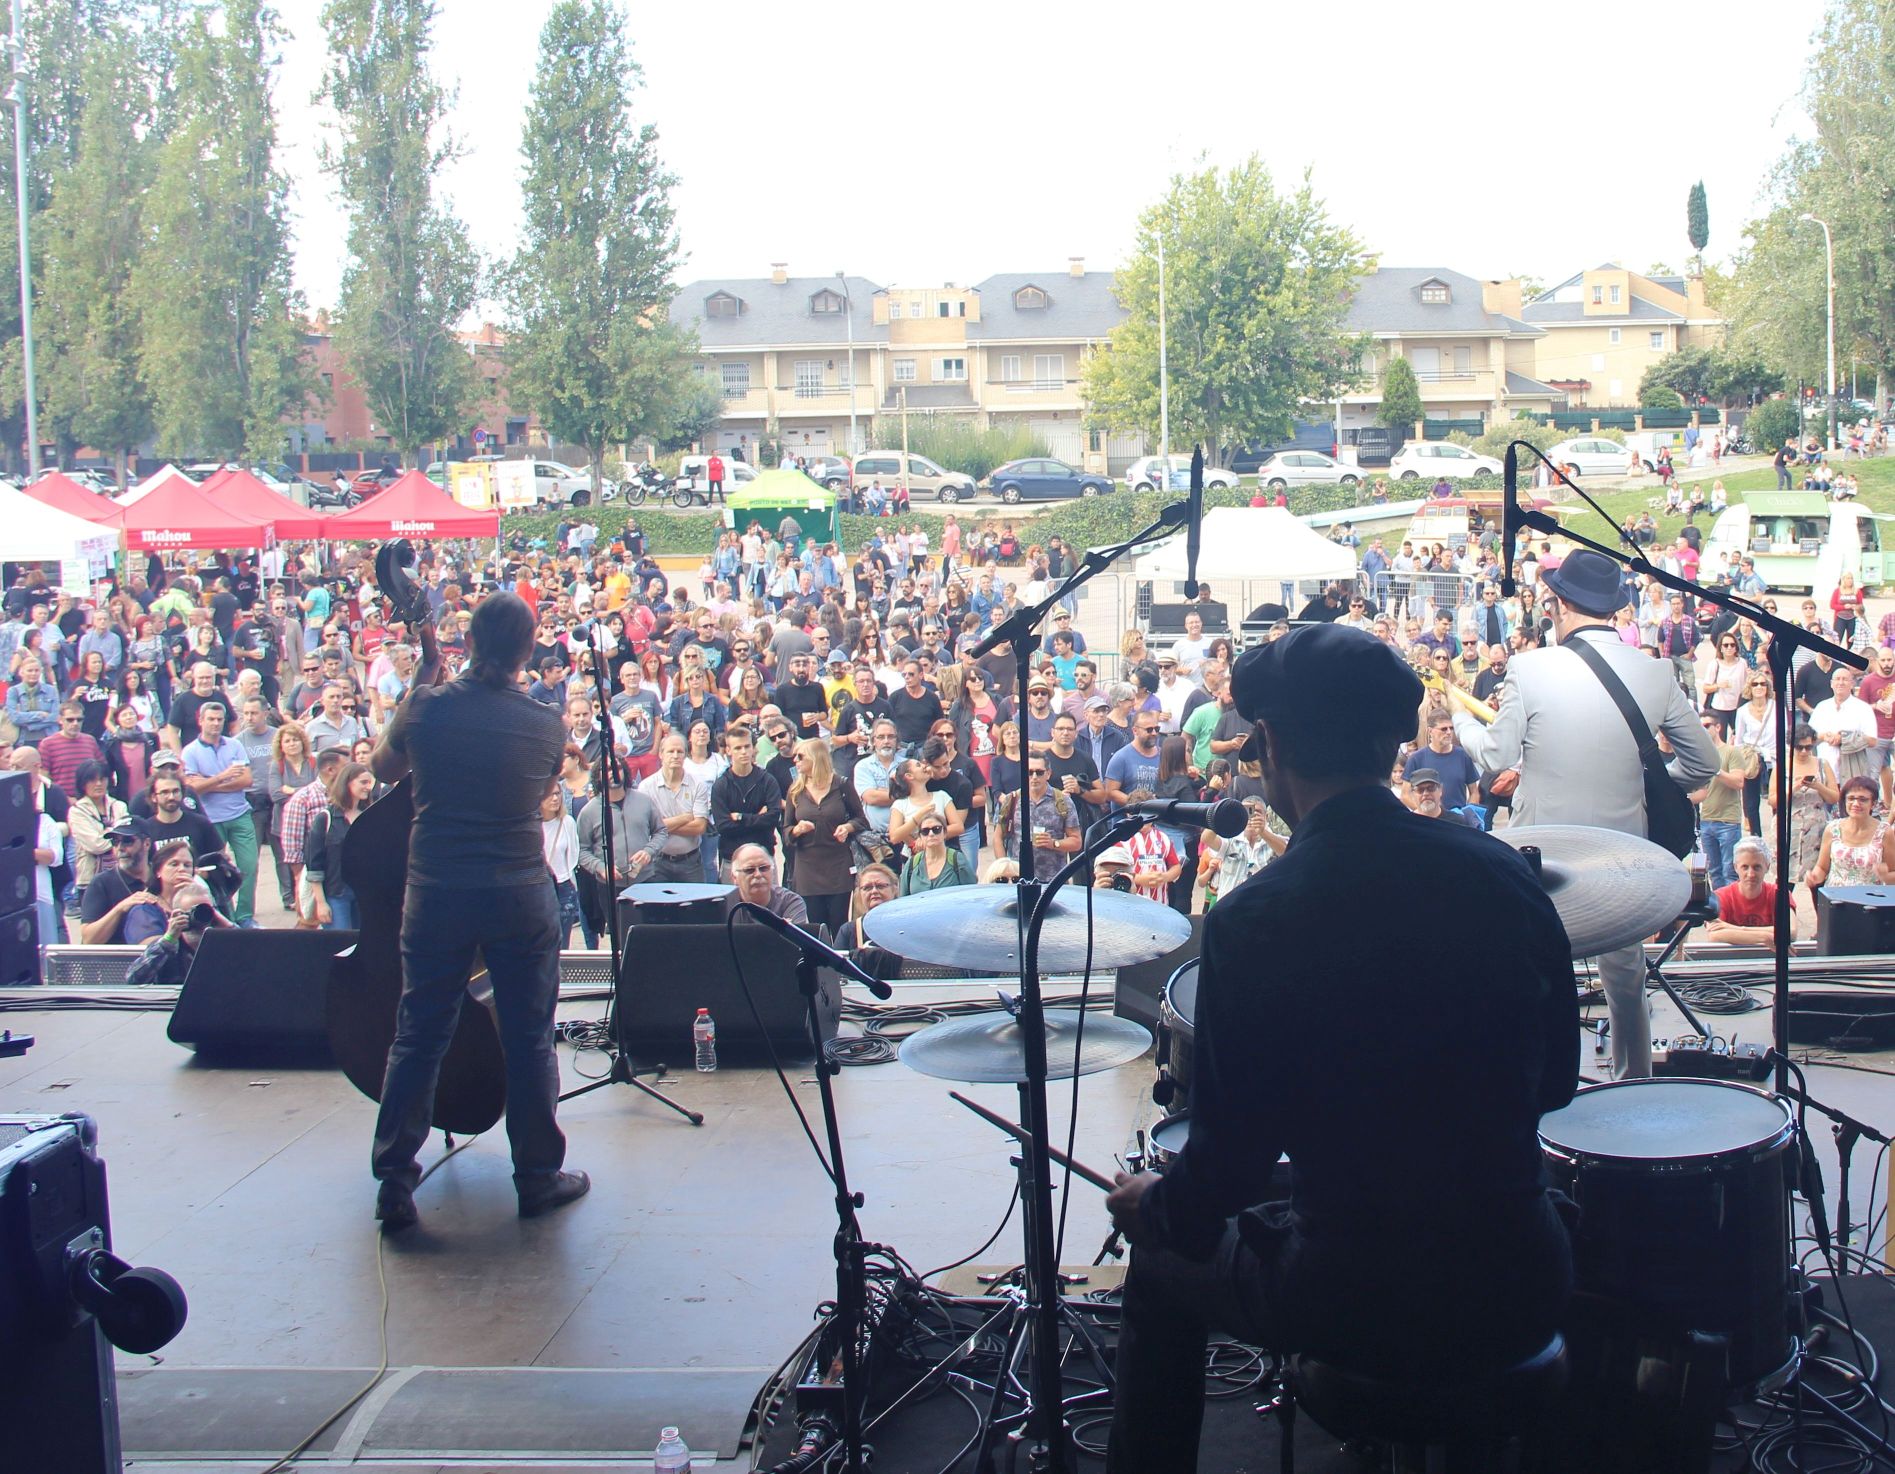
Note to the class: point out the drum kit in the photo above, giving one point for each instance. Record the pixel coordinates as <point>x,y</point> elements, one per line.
<point>1683,1185</point>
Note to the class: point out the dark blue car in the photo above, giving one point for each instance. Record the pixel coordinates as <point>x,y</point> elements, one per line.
<point>1039,478</point>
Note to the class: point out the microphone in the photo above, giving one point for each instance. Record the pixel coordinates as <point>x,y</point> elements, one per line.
<point>1225,817</point>
<point>1509,521</point>
<point>1194,529</point>
<point>814,946</point>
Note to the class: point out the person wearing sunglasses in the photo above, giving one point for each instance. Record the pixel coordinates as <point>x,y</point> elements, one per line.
<point>934,864</point>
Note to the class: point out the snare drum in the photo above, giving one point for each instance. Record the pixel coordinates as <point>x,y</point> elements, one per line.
<point>1683,1189</point>
<point>1167,1138</point>
<point>1177,1032</point>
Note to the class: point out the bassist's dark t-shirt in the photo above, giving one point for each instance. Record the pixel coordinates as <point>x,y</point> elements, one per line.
<point>482,758</point>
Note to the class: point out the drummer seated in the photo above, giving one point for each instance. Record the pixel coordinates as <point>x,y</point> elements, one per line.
<point>1747,907</point>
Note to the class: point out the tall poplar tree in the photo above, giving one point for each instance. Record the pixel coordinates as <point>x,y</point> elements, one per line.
<point>590,340</point>
<point>220,342</point>
<point>411,276</point>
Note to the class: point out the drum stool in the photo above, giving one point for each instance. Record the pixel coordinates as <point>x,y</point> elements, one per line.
<point>1434,1423</point>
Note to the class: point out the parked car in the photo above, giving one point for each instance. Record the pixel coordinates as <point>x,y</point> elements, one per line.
<point>925,478</point>
<point>832,471</point>
<point>692,482</point>
<point>1038,478</point>
<point>1430,460</point>
<point>1144,474</point>
<point>1304,468</point>
<point>367,483</point>
<point>91,478</point>
<point>1586,456</point>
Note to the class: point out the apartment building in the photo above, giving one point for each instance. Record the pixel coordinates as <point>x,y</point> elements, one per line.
<point>800,352</point>
<point>1599,331</point>
<point>1467,340</point>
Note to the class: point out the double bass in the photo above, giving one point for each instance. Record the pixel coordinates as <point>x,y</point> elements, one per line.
<point>365,980</point>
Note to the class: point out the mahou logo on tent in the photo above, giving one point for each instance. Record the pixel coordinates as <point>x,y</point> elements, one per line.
<point>411,526</point>
<point>165,537</point>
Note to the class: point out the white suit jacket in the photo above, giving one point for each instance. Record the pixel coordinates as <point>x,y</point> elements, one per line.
<point>1577,758</point>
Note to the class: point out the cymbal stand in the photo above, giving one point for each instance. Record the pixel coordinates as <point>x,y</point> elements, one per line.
<point>622,1070</point>
<point>1044,1429</point>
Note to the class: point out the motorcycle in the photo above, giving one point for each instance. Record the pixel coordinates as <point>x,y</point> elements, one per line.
<point>328,494</point>
<point>640,482</point>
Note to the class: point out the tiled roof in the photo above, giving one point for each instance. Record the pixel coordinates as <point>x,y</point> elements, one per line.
<point>1078,308</point>
<point>777,314</point>
<point>1388,300</point>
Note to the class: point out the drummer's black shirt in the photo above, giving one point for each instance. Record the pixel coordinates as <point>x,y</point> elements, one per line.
<point>1404,1073</point>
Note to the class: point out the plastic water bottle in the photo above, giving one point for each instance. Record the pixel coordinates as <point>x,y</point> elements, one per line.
<point>671,1456</point>
<point>704,1036</point>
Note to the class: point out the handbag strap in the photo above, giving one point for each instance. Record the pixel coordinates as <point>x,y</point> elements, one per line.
<point>1648,754</point>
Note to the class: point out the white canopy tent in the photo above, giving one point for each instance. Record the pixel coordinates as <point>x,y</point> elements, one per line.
<point>150,484</point>
<point>1242,544</point>
<point>37,533</point>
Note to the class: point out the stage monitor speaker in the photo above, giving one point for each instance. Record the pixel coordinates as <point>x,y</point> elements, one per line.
<point>18,883</point>
<point>670,972</point>
<point>58,1396</point>
<point>1855,920</point>
<point>258,993</point>
<point>19,948</point>
<point>674,903</point>
<point>19,815</point>
<point>1138,990</point>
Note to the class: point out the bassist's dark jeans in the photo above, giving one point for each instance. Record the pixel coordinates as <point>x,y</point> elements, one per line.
<point>516,929</point>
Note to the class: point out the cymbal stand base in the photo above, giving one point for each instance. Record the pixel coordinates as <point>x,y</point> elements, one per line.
<point>623,1072</point>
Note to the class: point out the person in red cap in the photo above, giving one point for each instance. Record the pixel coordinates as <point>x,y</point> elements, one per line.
<point>1381,1069</point>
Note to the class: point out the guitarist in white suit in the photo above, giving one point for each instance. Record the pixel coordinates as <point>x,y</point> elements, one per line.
<point>1578,759</point>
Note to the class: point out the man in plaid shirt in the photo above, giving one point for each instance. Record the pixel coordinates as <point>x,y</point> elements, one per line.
<point>1678,643</point>
<point>301,807</point>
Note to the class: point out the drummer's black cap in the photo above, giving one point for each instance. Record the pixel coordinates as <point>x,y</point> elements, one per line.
<point>1328,677</point>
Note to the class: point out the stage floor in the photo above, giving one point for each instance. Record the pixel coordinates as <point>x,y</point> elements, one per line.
<point>668,1295</point>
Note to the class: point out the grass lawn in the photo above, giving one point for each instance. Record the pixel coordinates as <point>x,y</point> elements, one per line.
<point>1875,478</point>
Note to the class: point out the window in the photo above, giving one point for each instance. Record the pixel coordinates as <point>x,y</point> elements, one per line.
<point>1434,292</point>
<point>1463,360</point>
<point>904,371</point>
<point>736,379</point>
<point>1598,296</point>
<point>1010,368</point>
<point>809,373</point>
<point>950,309</point>
<point>1612,335</point>
<point>914,309</point>
<point>1615,297</point>
<point>328,381</point>
<point>1028,298</point>
<point>950,370</point>
<point>1049,370</point>
<point>722,304</point>
<point>826,302</point>
<point>1656,341</point>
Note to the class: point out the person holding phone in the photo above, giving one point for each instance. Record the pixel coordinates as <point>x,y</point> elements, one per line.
<point>1813,789</point>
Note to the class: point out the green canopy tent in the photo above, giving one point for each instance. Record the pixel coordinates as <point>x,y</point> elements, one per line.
<point>775,493</point>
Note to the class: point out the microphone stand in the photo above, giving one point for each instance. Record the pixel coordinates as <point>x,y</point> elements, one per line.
<point>1045,1429</point>
<point>1785,640</point>
<point>622,1071</point>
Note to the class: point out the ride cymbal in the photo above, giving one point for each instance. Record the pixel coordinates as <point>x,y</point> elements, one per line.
<point>990,1048</point>
<point>1610,889</point>
<point>978,927</point>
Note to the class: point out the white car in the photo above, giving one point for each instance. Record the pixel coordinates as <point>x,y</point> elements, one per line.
<point>1144,474</point>
<point>1430,460</point>
<point>1585,456</point>
<point>1305,468</point>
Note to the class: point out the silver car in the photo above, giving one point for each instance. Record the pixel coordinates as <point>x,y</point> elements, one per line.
<point>1305,468</point>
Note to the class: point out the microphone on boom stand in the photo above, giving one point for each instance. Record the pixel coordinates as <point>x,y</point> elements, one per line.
<point>1509,521</point>
<point>1194,528</point>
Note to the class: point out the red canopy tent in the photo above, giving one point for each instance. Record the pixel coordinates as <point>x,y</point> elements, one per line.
<point>61,491</point>
<point>176,513</point>
<point>244,492</point>
<point>412,506</point>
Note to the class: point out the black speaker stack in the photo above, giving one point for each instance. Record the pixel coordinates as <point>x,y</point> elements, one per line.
<point>19,918</point>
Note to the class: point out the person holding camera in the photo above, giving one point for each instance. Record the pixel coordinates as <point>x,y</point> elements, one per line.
<point>167,956</point>
<point>1813,790</point>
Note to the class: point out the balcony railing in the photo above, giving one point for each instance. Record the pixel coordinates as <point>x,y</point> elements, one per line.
<point>1031,386</point>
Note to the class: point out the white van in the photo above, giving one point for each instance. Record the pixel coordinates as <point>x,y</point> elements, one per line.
<point>1802,542</point>
<point>691,477</point>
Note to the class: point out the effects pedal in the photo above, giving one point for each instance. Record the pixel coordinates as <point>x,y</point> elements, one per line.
<point>1710,1060</point>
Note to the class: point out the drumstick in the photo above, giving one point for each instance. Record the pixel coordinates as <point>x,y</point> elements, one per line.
<point>1019,1133</point>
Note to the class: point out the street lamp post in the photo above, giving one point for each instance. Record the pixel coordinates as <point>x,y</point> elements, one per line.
<point>18,99</point>
<point>1164,376</point>
<point>848,316</point>
<point>1829,261</point>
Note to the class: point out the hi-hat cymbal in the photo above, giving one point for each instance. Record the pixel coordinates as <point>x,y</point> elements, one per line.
<point>1610,889</point>
<point>978,926</point>
<point>990,1048</point>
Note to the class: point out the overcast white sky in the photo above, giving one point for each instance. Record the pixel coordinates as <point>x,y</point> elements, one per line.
<point>917,144</point>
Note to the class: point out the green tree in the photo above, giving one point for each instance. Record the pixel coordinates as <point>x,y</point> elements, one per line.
<point>412,276</point>
<point>219,341</point>
<point>1697,221</point>
<point>1257,289</point>
<point>93,382</point>
<point>1773,423</point>
<point>591,343</point>
<point>1401,396</point>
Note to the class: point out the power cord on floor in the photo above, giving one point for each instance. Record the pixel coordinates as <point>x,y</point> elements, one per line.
<point>381,1275</point>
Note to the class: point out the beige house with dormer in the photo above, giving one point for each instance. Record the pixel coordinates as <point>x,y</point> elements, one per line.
<point>1601,330</point>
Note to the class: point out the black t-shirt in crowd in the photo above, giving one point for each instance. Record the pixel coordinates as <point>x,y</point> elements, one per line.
<point>960,792</point>
<point>107,889</point>
<point>224,612</point>
<point>793,700</point>
<point>183,714</point>
<point>856,716</point>
<point>482,759</point>
<point>190,825</point>
<point>1079,765</point>
<point>914,715</point>
<point>1811,684</point>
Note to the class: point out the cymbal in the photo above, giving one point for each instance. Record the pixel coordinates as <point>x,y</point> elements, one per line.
<point>1610,889</point>
<point>977,926</point>
<point>990,1048</point>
